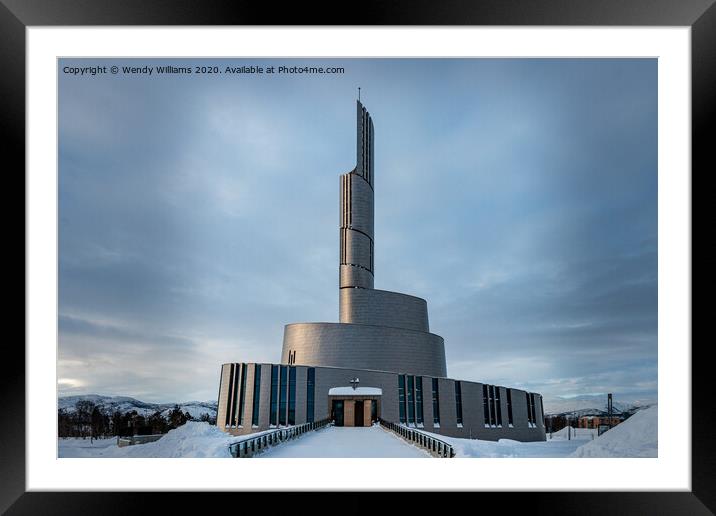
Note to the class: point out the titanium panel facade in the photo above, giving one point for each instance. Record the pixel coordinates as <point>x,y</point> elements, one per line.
<point>473,425</point>
<point>362,346</point>
<point>383,308</point>
<point>383,338</point>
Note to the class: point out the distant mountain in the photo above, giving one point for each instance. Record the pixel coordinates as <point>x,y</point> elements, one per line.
<point>124,404</point>
<point>618,409</point>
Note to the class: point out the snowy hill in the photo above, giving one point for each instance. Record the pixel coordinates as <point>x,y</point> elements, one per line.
<point>635,437</point>
<point>124,404</point>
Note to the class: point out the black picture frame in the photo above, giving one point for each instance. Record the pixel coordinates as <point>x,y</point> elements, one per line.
<point>17,15</point>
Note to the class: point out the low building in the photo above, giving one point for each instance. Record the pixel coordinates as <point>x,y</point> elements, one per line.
<point>379,361</point>
<point>597,421</point>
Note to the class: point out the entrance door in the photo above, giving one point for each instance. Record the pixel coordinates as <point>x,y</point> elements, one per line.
<point>337,412</point>
<point>359,413</point>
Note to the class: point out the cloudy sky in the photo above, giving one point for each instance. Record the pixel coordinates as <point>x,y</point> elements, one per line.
<point>199,214</point>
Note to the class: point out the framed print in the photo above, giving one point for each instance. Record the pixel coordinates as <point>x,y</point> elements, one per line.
<point>182,169</point>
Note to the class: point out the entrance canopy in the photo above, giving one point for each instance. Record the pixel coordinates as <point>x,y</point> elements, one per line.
<point>359,391</point>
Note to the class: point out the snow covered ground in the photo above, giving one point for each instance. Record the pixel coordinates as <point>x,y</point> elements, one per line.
<point>507,448</point>
<point>636,437</point>
<point>193,439</point>
<point>346,442</point>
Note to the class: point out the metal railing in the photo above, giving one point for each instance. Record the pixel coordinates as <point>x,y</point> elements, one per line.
<point>137,439</point>
<point>249,446</point>
<point>435,447</point>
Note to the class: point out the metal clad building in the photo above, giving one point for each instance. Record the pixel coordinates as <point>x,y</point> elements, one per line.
<point>379,360</point>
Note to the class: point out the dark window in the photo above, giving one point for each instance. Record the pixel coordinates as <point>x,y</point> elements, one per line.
<point>493,418</point>
<point>458,402</point>
<point>291,395</point>
<point>498,406</point>
<point>541,408</point>
<point>229,396</point>
<point>436,402</point>
<point>242,394</point>
<point>282,396</point>
<point>310,394</point>
<point>532,409</point>
<point>485,405</point>
<point>257,395</point>
<point>411,401</point>
<point>274,395</point>
<point>419,399</point>
<point>401,397</point>
<point>235,393</point>
<point>529,409</point>
<point>509,406</point>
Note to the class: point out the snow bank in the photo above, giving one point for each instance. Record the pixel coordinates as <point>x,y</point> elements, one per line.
<point>635,437</point>
<point>193,439</point>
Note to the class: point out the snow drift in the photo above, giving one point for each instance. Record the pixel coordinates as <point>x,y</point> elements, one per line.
<point>635,437</point>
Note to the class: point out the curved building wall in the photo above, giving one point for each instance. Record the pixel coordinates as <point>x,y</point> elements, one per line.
<point>383,308</point>
<point>361,346</point>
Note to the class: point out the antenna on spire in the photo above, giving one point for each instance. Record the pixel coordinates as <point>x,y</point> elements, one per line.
<point>358,92</point>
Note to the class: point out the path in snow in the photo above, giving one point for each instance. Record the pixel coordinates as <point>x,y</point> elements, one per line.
<point>346,442</point>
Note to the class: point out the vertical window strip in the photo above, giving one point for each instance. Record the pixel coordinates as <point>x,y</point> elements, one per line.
<point>532,408</point>
<point>493,415</point>
<point>218,398</point>
<point>229,395</point>
<point>458,402</point>
<point>257,395</point>
<point>529,409</point>
<point>291,395</point>
<point>234,394</point>
<point>401,397</point>
<point>411,400</point>
<point>242,395</point>
<point>419,400</point>
<point>283,391</point>
<point>274,395</point>
<point>436,402</point>
<point>310,394</point>
<point>509,406</point>
<point>541,408</point>
<point>498,406</point>
<point>485,406</point>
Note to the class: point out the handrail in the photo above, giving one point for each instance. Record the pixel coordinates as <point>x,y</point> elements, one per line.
<point>434,446</point>
<point>131,440</point>
<point>248,446</point>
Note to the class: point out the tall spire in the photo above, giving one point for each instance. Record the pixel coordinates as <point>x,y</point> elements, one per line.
<point>356,213</point>
<point>364,137</point>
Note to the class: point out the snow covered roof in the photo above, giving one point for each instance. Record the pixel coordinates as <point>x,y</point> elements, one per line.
<point>358,391</point>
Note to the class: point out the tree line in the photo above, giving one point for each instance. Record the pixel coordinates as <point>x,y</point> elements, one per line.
<point>93,421</point>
